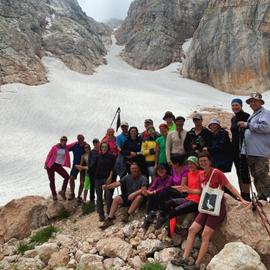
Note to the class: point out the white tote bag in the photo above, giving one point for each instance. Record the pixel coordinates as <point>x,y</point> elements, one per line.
<point>210,201</point>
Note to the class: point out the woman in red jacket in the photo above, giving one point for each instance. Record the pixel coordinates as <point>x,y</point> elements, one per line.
<point>57,158</point>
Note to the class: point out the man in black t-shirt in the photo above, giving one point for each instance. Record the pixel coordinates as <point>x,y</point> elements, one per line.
<point>132,186</point>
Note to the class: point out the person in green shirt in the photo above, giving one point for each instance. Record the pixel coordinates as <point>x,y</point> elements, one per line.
<point>160,155</point>
<point>169,118</point>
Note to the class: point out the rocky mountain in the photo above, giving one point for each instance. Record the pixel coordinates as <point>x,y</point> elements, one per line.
<point>154,31</point>
<point>30,29</point>
<point>114,23</point>
<point>231,47</point>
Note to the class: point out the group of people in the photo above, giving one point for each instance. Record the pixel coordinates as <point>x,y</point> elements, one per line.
<point>166,170</point>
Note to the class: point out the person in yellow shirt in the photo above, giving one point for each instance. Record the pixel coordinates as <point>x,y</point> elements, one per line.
<point>148,150</point>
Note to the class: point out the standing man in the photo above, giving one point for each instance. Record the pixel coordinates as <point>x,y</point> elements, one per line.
<point>200,136</point>
<point>170,118</point>
<point>144,135</point>
<point>257,144</point>
<point>120,164</point>
<point>91,170</point>
<point>178,141</point>
<point>78,151</point>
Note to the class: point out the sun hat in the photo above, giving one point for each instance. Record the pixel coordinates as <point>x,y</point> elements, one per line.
<point>214,121</point>
<point>168,114</point>
<point>255,95</point>
<point>194,160</point>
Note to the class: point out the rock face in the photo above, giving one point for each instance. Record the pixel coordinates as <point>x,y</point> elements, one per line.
<point>154,31</point>
<point>30,29</point>
<point>236,256</point>
<point>230,49</point>
<point>244,225</point>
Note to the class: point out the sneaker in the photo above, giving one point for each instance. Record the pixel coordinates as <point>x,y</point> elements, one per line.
<point>160,222</point>
<point>106,224</point>
<point>62,194</point>
<point>125,218</point>
<point>180,262</point>
<point>71,196</point>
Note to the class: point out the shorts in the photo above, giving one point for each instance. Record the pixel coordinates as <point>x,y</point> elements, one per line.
<point>74,172</point>
<point>86,185</point>
<point>126,201</point>
<point>212,221</point>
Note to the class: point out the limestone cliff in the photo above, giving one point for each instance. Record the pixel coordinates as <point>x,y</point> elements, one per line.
<point>231,47</point>
<point>154,31</point>
<point>29,29</point>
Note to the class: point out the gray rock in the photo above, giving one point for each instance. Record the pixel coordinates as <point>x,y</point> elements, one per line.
<point>237,256</point>
<point>154,31</point>
<point>230,49</point>
<point>173,267</point>
<point>90,261</point>
<point>167,254</point>
<point>149,246</point>
<point>46,250</point>
<point>29,29</point>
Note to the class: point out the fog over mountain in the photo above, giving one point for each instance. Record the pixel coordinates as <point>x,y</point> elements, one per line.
<point>103,10</point>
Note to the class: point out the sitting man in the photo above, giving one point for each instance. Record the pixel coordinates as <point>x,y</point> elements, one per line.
<point>133,186</point>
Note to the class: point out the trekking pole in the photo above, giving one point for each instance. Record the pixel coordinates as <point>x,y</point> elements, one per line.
<point>117,112</point>
<point>256,204</point>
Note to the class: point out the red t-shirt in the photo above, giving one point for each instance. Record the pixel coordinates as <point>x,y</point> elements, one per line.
<point>218,179</point>
<point>194,183</point>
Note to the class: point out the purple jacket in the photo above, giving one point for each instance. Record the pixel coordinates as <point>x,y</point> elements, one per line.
<point>159,184</point>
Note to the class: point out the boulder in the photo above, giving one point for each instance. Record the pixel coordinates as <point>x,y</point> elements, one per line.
<point>173,267</point>
<point>46,250</point>
<point>113,263</point>
<point>90,261</point>
<point>154,31</point>
<point>60,258</point>
<point>149,246</point>
<point>167,254</point>
<point>114,247</point>
<point>244,225</point>
<point>19,217</point>
<point>230,48</point>
<point>136,262</point>
<point>236,256</point>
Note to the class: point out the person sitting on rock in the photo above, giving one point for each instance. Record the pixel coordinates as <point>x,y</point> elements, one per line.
<point>133,187</point>
<point>181,206</point>
<point>205,222</point>
<point>179,177</point>
<point>162,181</point>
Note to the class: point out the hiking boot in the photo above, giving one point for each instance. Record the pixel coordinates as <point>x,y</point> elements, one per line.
<point>107,223</point>
<point>101,218</point>
<point>160,222</point>
<point>71,196</point>
<point>54,197</point>
<point>79,200</point>
<point>191,267</point>
<point>62,194</point>
<point>125,218</point>
<point>148,220</point>
<point>180,262</point>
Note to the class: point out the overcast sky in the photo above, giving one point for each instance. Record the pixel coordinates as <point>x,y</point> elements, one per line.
<point>102,10</point>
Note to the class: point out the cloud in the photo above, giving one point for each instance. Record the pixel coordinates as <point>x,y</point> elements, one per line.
<point>102,10</point>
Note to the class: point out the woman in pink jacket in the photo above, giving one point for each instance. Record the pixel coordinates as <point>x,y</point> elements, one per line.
<point>58,158</point>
